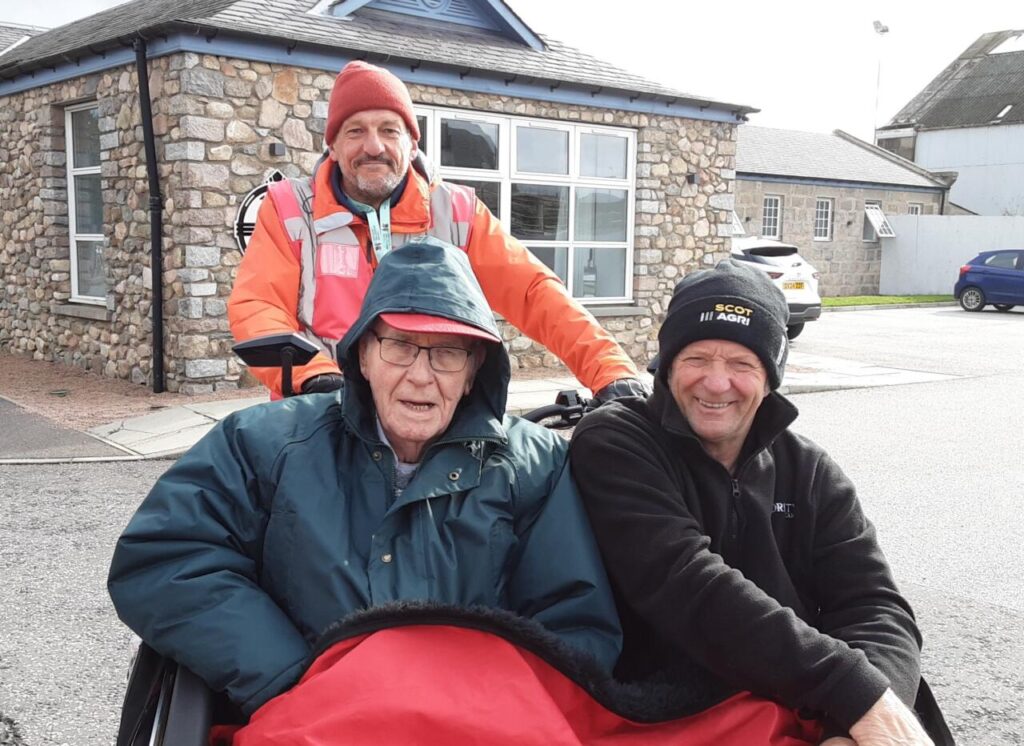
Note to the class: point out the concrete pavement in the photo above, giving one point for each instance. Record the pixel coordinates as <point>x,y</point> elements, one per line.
<point>26,438</point>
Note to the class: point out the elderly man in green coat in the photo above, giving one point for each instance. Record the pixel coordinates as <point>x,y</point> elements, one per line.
<point>408,484</point>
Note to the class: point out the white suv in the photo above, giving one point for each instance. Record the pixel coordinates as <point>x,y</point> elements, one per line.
<point>797,279</point>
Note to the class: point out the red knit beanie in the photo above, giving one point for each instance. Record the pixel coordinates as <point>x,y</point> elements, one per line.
<point>361,86</point>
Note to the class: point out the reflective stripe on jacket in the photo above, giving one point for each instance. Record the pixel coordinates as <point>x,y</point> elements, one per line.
<point>335,270</point>
<point>265,298</point>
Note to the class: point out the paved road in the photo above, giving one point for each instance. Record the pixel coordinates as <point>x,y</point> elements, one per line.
<point>943,339</point>
<point>947,503</point>
<point>938,466</point>
<point>939,469</point>
<point>31,436</point>
<point>63,654</point>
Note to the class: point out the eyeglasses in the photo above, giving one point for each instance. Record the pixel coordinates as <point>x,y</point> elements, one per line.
<point>404,354</point>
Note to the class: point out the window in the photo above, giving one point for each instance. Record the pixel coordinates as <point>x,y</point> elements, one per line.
<point>823,219</point>
<point>916,208</point>
<point>421,122</point>
<point>565,190</point>
<point>1002,113</point>
<point>1003,260</point>
<point>875,223</point>
<point>771,216</point>
<point>85,204</point>
<point>901,146</point>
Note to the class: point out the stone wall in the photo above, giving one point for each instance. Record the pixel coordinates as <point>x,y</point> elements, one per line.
<point>36,315</point>
<point>218,120</point>
<point>215,120</point>
<point>848,265</point>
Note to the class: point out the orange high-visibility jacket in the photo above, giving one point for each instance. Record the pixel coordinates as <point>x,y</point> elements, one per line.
<point>265,297</point>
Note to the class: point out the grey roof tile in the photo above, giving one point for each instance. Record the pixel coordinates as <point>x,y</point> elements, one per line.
<point>12,32</point>
<point>813,155</point>
<point>365,32</point>
<point>107,28</point>
<point>972,90</point>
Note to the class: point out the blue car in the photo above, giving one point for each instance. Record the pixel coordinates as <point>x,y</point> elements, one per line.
<point>995,277</point>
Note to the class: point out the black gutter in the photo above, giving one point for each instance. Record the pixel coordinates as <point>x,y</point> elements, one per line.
<point>156,227</point>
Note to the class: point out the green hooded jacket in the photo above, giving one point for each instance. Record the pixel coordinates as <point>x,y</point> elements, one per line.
<point>284,518</point>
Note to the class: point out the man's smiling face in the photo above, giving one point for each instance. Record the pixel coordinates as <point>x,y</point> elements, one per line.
<point>373,149</point>
<point>718,385</point>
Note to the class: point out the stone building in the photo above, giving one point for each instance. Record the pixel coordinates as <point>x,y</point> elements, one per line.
<point>829,194</point>
<point>617,183</point>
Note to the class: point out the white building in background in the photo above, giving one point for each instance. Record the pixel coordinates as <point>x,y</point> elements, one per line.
<point>970,120</point>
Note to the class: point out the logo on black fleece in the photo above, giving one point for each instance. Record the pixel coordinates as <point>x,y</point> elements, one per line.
<point>731,312</point>
<point>787,509</point>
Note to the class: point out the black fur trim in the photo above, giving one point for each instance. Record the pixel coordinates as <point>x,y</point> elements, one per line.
<point>648,701</point>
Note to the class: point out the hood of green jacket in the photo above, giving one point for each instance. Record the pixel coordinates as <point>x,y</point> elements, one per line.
<point>434,278</point>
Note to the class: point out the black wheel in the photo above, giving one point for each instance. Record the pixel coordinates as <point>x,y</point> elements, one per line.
<point>1003,306</point>
<point>972,299</point>
<point>793,330</point>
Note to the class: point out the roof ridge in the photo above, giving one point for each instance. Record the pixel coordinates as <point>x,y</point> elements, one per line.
<point>23,26</point>
<point>834,156</point>
<point>890,156</point>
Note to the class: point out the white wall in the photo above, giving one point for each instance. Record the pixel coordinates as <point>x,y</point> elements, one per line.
<point>989,161</point>
<point>925,256</point>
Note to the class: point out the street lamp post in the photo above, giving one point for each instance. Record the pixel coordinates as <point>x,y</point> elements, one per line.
<point>881,29</point>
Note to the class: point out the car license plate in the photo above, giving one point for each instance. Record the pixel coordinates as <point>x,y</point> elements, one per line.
<point>792,286</point>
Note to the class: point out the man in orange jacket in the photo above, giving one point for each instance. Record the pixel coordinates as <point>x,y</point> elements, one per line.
<point>317,242</point>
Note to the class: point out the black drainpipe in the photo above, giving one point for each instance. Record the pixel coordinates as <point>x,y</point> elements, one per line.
<point>156,228</point>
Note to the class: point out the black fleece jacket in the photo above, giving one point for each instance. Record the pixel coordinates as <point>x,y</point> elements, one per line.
<point>771,579</point>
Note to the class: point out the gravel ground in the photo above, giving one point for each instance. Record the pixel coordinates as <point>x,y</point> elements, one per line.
<point>82,399</point>
<point>9,733</point>
<point>63,653</point>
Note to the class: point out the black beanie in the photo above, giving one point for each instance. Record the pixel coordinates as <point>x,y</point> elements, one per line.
<point>734,302</point>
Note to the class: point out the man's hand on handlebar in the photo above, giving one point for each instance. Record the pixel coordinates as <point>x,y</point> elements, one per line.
<point>622,388</point>
<point>323,383</point>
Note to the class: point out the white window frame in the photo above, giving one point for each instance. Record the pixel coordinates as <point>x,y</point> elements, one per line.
<point>873,214</point>
<point>434,146</point>
<point>915,208</point>
<point>824,221</point>
<point>73,234</point>
<point>766,220</point>
<point>508,173</point>
<point>572,143</point>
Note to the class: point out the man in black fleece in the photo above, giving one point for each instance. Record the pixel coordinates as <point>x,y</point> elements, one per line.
<point>736,546</point>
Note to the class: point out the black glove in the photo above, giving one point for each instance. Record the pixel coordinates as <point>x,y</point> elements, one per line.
<point>323,383</point>
<point>621,388</point>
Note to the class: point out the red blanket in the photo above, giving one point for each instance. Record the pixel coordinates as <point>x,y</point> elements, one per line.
<point>452,685</point>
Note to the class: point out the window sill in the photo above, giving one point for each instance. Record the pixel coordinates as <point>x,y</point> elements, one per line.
<point>603,311</point>
<point>81,311</point>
